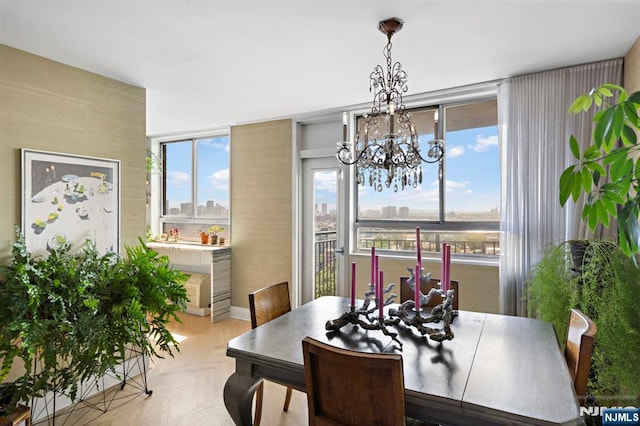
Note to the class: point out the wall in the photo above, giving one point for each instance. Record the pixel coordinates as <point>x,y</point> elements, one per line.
<point>261,196</point>
<point>632,68</point>
<point>45,105</point>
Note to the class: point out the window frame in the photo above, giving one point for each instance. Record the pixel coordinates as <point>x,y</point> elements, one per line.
<point>440,226</point>
<point>156,217</point>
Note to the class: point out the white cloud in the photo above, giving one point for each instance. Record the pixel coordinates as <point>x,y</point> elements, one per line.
<point>455,151</point>
<point>223,146</point>
<point>220,179</point>
<point>325,181</point>
<point>453,185</point>
<point>214,143</point>
<point>179,179</point>
<point>482,143</point>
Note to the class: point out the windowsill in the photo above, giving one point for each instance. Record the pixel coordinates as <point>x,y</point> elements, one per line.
<point>186,245</point>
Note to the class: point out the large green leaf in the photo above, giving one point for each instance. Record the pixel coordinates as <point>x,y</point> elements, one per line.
<point>566,184</point>
<point>635,98</point>
<point>575,147</point>
<point>628,136</point>
<point>586,180</point>
<point>592,153</point>
<point>579,104</point>
<point>603,213</point>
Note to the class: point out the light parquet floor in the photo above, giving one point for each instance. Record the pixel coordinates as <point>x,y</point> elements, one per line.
<point>187,389</point>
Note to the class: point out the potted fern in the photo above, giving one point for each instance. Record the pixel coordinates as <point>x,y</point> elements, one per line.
<point>76,315</point>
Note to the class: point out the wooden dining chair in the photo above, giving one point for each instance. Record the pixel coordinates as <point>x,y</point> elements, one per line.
<point>351,388</point>
<point>579,348</point>
<point>264,305</point>
<point>407,294</point>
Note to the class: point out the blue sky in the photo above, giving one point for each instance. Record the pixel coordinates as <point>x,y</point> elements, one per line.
<point>472,176</point>
<point>213,171</point>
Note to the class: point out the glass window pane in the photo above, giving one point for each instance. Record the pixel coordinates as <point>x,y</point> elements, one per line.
<point>212,184</point>
<point>325,200</point>
<point>419,203</point>
<point>404,240</point>
<point>177,178</point>
<point>472,163</point>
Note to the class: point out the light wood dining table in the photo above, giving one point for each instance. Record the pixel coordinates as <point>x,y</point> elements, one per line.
<point>497,370</point>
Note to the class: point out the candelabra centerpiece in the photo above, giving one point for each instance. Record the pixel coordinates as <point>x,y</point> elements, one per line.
<point>409,311</point>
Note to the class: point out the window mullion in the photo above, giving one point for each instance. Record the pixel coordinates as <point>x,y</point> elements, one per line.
<point>194,178</point>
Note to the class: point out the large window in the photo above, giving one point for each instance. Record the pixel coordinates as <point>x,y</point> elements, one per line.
<point>458,200</point>
<point>195,184</point>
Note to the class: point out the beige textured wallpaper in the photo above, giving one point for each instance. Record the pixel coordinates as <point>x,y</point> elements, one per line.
<point>261,203</point>
<point>632,68</point>
<point>49,106</point>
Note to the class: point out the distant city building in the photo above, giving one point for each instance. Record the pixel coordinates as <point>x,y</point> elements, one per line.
<point>324,208</point>
<point>389,212</point>
<point>210,209</point>
<point>403,212</point>
<point>185,208</point>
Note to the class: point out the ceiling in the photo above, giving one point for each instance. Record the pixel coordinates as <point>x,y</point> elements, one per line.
<point>213,63</point>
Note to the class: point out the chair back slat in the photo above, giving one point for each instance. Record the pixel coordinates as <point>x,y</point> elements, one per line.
<point>350,388</point>
<point>579,348</point>
<point>268,303</point>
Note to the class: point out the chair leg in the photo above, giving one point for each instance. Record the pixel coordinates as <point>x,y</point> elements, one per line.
<point>258,414</point>
<point>287,400</point>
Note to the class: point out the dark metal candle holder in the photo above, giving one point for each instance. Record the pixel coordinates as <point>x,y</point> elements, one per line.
<point>369,321</point>
<point>365,317</point>
<point>411,317</point>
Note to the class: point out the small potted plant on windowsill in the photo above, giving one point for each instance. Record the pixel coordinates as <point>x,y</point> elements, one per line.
<point>213,231</point>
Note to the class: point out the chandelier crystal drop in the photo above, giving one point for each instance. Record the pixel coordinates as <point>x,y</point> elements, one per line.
<point>386,143</point>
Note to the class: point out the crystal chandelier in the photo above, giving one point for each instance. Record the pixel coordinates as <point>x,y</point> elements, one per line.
<point>386,143</point>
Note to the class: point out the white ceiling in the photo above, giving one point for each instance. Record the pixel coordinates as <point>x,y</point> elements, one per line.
<point>213,63</point>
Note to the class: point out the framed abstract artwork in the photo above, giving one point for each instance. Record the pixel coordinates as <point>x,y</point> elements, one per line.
<point>68,199</point>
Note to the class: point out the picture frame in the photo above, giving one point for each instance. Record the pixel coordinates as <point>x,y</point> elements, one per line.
<point>69,199</point>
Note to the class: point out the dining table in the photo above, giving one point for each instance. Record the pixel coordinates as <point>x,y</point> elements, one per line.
<point>498,369</point>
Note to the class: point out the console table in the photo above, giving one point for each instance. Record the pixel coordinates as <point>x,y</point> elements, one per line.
<point>205,259</point>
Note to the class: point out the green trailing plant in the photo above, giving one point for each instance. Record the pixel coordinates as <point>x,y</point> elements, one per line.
<point>607,291</point>
<point>613,153</point>
<point>70,318</point>
<point>551,287</point>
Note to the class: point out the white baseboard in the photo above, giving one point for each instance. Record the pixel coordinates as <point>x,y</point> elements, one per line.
<point>240,313</point>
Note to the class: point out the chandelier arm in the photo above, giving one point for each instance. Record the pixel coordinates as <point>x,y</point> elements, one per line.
<point>348,151</point>
<point>436,149</point>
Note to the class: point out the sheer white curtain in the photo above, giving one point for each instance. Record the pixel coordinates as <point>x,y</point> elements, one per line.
<point>534,130</point>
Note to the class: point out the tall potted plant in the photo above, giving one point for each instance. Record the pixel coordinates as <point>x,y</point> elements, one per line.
<point>614,153</point>
<point>71,317</point>
<point>606,290</point>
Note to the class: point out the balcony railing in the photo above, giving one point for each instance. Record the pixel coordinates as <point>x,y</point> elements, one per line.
<point>460,247</point>
<point>325,263</point>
